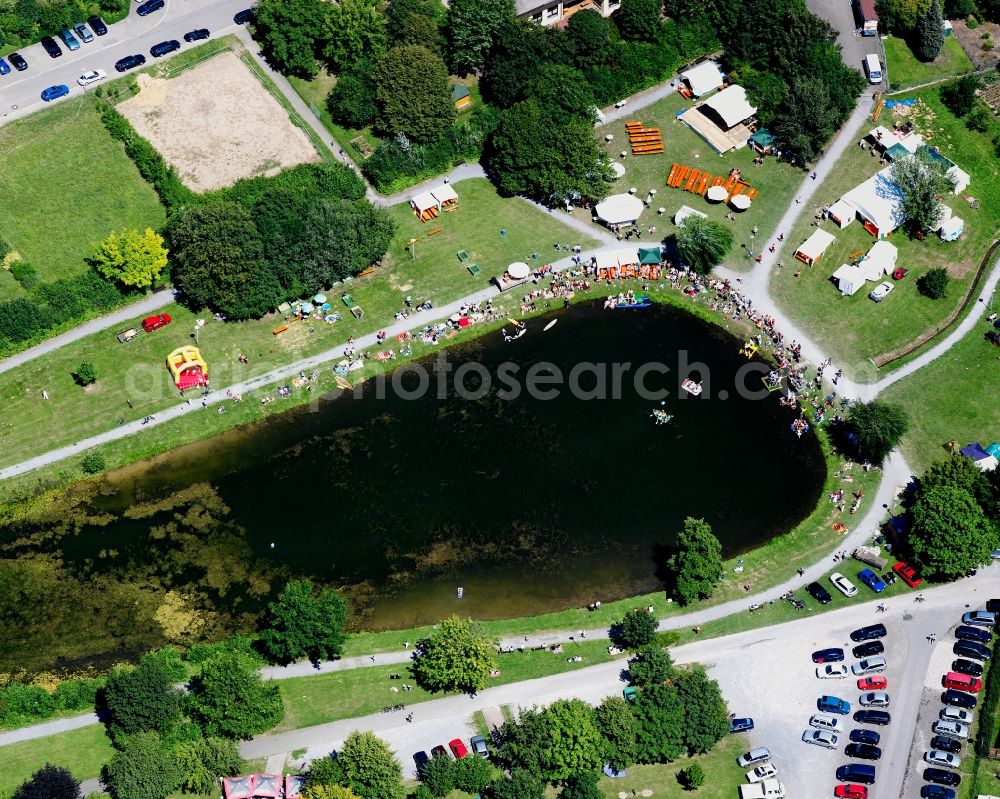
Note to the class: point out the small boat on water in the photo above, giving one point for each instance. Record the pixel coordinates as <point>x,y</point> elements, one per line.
<point>691,387</point>
<point>623,301</point>
<point>799,426</point>
<point>459,592</point>
<point>550,325</point>
<point>661,416</point>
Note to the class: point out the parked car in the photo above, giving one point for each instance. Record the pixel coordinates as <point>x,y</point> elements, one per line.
<point>458,748</point>
<point>936,792</point>
<point>962,682</point>
<point>83,32</point>
<point>872,665</point>
<point>764,771</point>
<point>967,632</point>
<point>754,757</point>
<point>832,655</point>
<point>4,67</point>
<point>850,791</point>
<point>907,574</point>
<point>959,699</point>
<point>741,725</point>
<point>95,75</point>
<point>819,593</point>
<point>243,17</point>
<point>196,35</point>
<point>969,667</point>
<point>842,584</point>
<point>881,291</point>
<point>833,704</point>
<point>863,736</point>
<point>936,757</point>
<point>899,273</point>
<point>863,751</point>
<point>821,721</point>
<point>946,744</point>
<point>874,683</point>
<point>856,772</point>
<point>151,323</point>
<point>129,62</point>
<point>149,7</point>
<point>872,580</point>
<point>69,39</point>
<point>953,729</point>
<point>868,649</point>
<point>832,671</point>
<point>479,746</point>
<point>17,61</point>
<point>50,46</point>
<point>439,751</point>
<point>982,618</point>
<point>879,718</point>
<point>420,759</point>
<point>942,777</point>
<point>164,48</point>
<point>55,92</point>
<point>824,738</point>
<point>971,649</point>
<point>869,633</point>
<point>98,25</point>
<point>874,699</point>
<point>955,714</point>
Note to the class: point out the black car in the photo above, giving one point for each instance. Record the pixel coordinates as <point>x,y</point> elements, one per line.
<point>969,667</point>
<point>420,759</point>
<point>967,633</point>
<point>51,47</point>
<point>163,48</point>
<point>946,744</point>
<point>877,717</point>
<point>863,751</point>
<point>97,24</point>
<point>244,16</point>
<point>17,61</point>
<point>129,62</point>
<point>831,655</point>
<point>196,35</point>
<point>149,7</point>
<point>868,633</point>
<point>958,699</point>
<point>868,649</point>
<point>970,649</point>
<point>865,736</point>
<point>941,776</point>
<point>936,792</point>
<point>819,593</point>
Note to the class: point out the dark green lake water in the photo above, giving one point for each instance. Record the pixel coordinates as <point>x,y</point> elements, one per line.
<point>530,505</point>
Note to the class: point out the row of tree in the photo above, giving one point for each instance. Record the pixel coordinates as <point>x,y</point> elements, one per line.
<point>920,22</point>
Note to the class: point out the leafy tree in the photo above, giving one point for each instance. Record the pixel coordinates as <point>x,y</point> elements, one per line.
<point>352,100</point>
<point>49,782</point>
<point>582,786</point>
<point>765,91</point>
<point>132,258</point>
<point>93,463</point>
<point>807,118</point>
<point>958,9</point>
<point>288,32</point>
<point>618,726</point>
<point>703,243</point>
<point>371,768</point>
<point>639,19</point>
<point>218,260</point>
<point>959,472</point>
<point>85,374</point>
<point>416,22</point>
<point>523,743</point>
<point>574,741</point>
<point>355,31</point>
<point>230,699</point>
<point>328,792</point>
<point>659,716</point>
<point>921,179</point>
<point>142,699</point>
<point>563,92</point>
<point>340,238</point>
<point>142,769</point>
<point>301,624</point>
<point>901,16</point>
<point>437,776</point>
<point>411,86</point>
<point>520,784</point>
<point>929,33</point>
<point>696,564</point>
<point>950,533</point>
<point>879,427</point>
<point>457,656</point>
<point>637,628</point>
<point>692,777</point>
<point>706,717</point>
<point>979,119</point>
<point>473,774</point>
<point>325,771</point>
<point>473,26</point>
<point>652,666</point>
<point>588,32</point>
<point>959,96</point>
<point>169,660</point>
<point>203,761</point>
<point>935,283</point>
<point>514,60</point>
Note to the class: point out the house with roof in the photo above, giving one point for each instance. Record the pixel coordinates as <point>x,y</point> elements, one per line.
<point>723,119</point>
<point>552,12</point>
<point>704,78</point>
<point>878,203</point>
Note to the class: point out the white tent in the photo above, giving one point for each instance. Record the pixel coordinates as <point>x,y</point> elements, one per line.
<point>423,201</point>
<point>625,256</point>
<point>952,228</point>
<point>684,212</point>
<point>842,214</point>
<point>880,260</point>
<point>814,247</point>
<point>619,209</point>
<point>606,259</point>
<point>962,179</point>
<point>731,106</point>
<point>703,78</point>
<point>444,194</point>
<point>878,201</point>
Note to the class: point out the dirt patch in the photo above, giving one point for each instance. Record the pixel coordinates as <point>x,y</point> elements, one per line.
<point>972,42</point>
<point>216,123</point>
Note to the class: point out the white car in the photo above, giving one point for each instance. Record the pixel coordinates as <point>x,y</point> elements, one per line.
<point>824,738</point>
<point>93,76</point>
<point>824,722</point>
<point>871,665</point>
<point>938,758</point>
<point>842,584</point>
<point>874,699</point>
<point>955,714</point>
<point>953,729</point>
<point>831,671</point>
<point>880,292</point>
<point>763,772</point>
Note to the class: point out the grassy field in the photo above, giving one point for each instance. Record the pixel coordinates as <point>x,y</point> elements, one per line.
<point>135,372</point>
<point>776,182</point>
<point>68,185</point>
<point>854,329</point>
<point>905,70</point>
<point>84,752</point>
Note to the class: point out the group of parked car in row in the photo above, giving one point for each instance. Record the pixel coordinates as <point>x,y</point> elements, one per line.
<point>477,745</point>
<point>50,46</point>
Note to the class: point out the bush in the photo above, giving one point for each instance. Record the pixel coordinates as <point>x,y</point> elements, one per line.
<point>934,284</point>
<point>959,96</point>
<point>352,101</point>
<point>93,463</point>
<point>979,119</point>
<point>199,653</point>
<point>437,775</point>
<point>20,703</point>
<point>636,629</point>
<point>77,694</point>
<point>692,777</point>
<point>25,274</point>
<point>85,374</point>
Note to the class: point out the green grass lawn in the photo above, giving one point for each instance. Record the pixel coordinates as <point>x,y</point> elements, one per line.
<point>84,752</point>
<point>854,329</point>
<point>67,186</point>
<point>135,372</point>
<point>775,181</point>
<point>905,70</point>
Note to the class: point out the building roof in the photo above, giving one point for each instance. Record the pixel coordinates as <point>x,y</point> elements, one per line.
<point>878,200</point>
<point>522,7</point>
<point>619,209</point>
<point>444,193</point>
<point>842,211</point>
<point>423,201</point>
<point>879,260</point>
<point>731,105</point>
<point>816,244</point>
<point>458,91</point>
<point>703,78</point>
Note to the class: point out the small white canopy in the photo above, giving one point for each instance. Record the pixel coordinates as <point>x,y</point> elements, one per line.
<point>962,179</point>
<point>716,194</point>
<point>814,247</point>
<point>619,209</point>
<point>842,214</point>
<point>684,212</point>
<point>741,202</point>
<point>606,259</point>
<point>618,170</point>
<point>444,193</point>
<point>518,270</point>
<point>879,260</point>
<point>952,228</point>
<point>731,105</point>
<point>423,201</point>
<point>626,256</point>
<point>703,78</point>
<point>847,279</point>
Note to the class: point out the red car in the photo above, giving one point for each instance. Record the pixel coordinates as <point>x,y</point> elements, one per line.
<point>151,323</point>
<point>899,273</point>
<point>851,791</point>
<point>962,682</point>
<point>876,682</point>
<point>458,749</point>
<point>908,574</point>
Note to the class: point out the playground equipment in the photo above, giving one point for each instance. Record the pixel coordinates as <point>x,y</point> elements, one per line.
<point>188,368</point>
<point>644,141</point>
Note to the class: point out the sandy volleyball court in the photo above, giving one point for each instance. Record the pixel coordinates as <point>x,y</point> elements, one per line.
<point>216,123</point>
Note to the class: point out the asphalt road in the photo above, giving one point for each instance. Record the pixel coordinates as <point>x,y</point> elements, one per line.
<point>20,92</point>
<point>840,15</point>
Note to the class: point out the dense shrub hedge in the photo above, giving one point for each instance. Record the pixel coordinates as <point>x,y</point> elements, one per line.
<point>22,704</point>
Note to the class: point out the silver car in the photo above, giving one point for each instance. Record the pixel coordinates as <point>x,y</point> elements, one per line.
<point>955,714</point>
<point>824,738</point>
<point>824,722</point>
<point>938,758</point>
<point>754,757</point>
<point>871,665</point>
<point>874,699</point>
<point>832,671</point>
<point>952,729</point>
<point>981,618</point>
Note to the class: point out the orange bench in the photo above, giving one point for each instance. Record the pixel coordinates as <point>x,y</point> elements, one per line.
<point>435,231</point>
<point>752,194</point>
<point>673,171</point>
<point>280,329</point>
<point>718,181</point>
<point>703,184</point>
<point>692,180</point>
